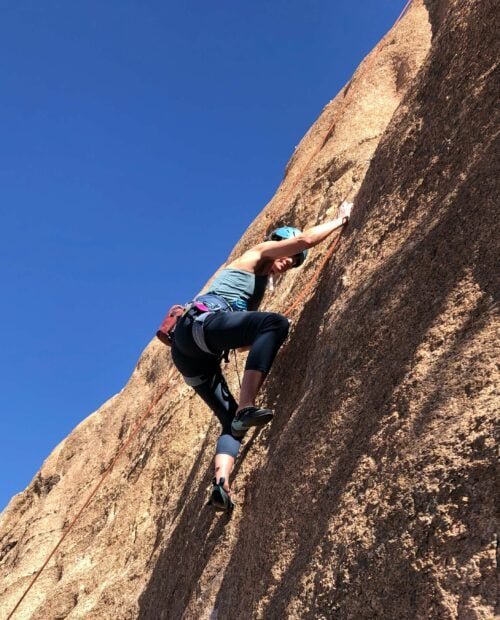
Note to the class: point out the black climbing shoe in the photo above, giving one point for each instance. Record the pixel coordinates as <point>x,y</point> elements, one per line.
<point>219,497</point>
<point>248,417</point>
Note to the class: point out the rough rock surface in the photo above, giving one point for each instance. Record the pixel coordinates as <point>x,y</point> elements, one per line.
<point>372,493</point>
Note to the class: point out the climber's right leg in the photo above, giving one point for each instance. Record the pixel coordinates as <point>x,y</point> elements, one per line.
<point>264,333</point>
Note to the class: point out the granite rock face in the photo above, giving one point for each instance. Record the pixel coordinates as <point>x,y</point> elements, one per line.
<point>372,494</point>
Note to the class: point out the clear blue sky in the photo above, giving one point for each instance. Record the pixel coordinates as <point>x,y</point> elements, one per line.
<point>138,141</point>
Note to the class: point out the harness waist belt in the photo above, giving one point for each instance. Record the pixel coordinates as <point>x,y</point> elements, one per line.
<point>212,302</point>
<point>200,309</point>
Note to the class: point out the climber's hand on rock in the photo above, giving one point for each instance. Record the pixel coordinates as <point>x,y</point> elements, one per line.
<point>345,209</point>
<point>338,212</point>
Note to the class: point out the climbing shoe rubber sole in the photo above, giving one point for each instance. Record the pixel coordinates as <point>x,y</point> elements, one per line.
<point>250,417</point>
<point>219,498</point>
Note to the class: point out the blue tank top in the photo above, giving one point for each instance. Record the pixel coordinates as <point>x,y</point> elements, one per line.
<point>242,289</point>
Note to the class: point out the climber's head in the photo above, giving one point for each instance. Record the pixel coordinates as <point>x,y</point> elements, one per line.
<point>284,264</point>
<point>280,265</point>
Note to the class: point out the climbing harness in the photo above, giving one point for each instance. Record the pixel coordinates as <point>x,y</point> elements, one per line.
<point>198,311</point>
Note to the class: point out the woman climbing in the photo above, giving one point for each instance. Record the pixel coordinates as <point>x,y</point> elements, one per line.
<point>225,318</point>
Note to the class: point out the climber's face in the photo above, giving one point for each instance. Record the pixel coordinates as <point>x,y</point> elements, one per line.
<point>280,265</point>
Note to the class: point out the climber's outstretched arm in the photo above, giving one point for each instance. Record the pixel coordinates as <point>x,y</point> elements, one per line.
<point>271,250</point>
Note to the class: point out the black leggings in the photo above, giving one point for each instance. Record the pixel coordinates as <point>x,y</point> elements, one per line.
<point>264,332</point>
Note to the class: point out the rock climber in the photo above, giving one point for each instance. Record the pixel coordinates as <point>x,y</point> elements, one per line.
<point>226,317</point>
